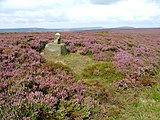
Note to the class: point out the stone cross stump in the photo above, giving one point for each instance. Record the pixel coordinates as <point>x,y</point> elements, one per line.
<point>56,48</point>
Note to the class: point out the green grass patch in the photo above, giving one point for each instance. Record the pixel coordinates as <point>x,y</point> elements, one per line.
<point>105,72</point>
<point>144,106</point>
<point>87,69</point>
<point>74,61</point>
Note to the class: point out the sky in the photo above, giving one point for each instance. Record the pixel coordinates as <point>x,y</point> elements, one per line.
<point>79,13</point>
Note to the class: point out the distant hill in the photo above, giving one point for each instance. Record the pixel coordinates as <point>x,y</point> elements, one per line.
<point>124,27</point>
<point>49,30</point>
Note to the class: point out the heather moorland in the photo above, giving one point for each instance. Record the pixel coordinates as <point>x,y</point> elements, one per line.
<point>108,74</point>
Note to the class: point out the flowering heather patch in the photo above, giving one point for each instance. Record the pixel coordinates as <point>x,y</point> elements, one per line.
<point>130,48</point>
<point>127,62</point>
<point>30,88</point>
<point>135,79</point>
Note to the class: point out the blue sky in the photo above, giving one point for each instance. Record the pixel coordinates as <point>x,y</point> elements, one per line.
<point>82,13</point>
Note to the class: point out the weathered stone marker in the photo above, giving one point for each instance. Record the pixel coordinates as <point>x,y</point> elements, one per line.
<point>57,38</point>
<point>56,48</point>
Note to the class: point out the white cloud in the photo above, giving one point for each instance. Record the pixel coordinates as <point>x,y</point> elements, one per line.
<point>105,1</point>
<point>126,11</point>
<point>73,13</point>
